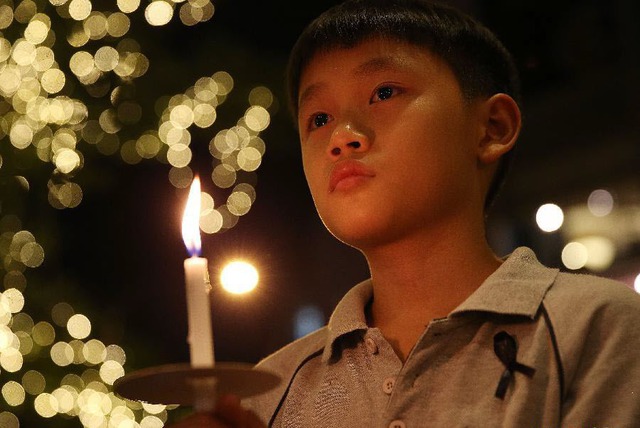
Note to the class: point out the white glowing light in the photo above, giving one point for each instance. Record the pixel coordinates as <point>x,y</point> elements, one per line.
<point>110,371</point>
<point>153,409</point>
<point>636,283</point>
<point>6,338</point>
<point>11,360</point>
<point>549,217</point>
<point>128,6</point>
<point>46,405</point>
<point>600,203</point>
<point>575,255</point>
<point>158,13</point>
<point>61,354</point>
<point>12,300</point>
<point>79,9</point>
<point>239,277</point>
<point>79,326</point>
<point>65,399</point>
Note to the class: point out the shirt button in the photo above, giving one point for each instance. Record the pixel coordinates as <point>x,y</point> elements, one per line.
<point>387,385</point>
<point>371,345</point>
<point>397,424</point>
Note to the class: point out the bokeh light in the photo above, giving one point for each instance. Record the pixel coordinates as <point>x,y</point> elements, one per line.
<point>158,13</point>
<point>33,382</point>
<point>153,409</point>
<point>115,353</point>
<point>46,405</point>
<point>575,255</point>
<point>62,354</point>
<point>79,9</point>
<point>79,326</point>
<point>9,420</point>
<point>11,359</point>
<point>110,371</point>
<point>151,422</point>
<point>601,252</point>
<point>636,283</point>
<point>43,333</point>
<point>549,217</point>
<point>600,203</point>
<point>239,277</point>
<point>307,319</point>
<point>94,352</point>
<point>60,313</point>
<point>128,6</point>
<point>261,96</point>
<point>13,393</point>
<point>12,300</point>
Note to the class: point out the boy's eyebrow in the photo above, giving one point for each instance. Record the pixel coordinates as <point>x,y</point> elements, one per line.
<point>308,92</point>
<point>377,64</point>
<point>371,66</point>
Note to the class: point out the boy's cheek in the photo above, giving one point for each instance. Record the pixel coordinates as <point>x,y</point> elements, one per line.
<point>312,150</point>
<point>310,169</point>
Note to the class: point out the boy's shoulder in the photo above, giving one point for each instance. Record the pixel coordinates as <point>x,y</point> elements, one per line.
<point>295,353</point>
<point>284,363</point>
<point>561,289</point>
<point>594,323</point>
<point>313,350</point>
<point>587,285</point>
<point>523,286</point>
<point>593,299</point>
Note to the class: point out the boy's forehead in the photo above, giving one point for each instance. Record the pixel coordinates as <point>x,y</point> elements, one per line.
<point>371,56</point>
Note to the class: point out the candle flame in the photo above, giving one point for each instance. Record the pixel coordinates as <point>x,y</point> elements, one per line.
<point>191,220</point>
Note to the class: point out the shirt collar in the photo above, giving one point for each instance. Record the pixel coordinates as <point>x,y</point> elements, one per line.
<point>349,315</point>
<point>517,287</point>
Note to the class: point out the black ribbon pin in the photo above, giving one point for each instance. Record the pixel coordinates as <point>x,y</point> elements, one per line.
<point>506,348</point>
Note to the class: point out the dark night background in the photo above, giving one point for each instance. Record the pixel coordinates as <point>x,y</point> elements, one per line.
<point>121,251</point>
<point>578,61</point>
<point>118,256</point>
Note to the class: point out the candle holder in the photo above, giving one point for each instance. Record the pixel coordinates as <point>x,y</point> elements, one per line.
<point>198,387</point>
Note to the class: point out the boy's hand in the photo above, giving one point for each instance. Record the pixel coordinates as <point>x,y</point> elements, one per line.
<point>228,414</point>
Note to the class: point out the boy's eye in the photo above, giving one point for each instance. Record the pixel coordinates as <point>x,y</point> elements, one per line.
<point>383,93</point>
<point>319,120</point>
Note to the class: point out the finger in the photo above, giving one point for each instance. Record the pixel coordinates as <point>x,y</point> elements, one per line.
<point>199,420</point>
<point>229,410</point>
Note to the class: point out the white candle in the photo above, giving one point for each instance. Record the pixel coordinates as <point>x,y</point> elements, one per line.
<point>197,284</point>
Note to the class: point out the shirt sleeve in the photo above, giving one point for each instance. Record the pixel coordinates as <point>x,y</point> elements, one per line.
<point>599,341</point>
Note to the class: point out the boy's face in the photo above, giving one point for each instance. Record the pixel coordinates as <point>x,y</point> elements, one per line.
<point>388,142</point>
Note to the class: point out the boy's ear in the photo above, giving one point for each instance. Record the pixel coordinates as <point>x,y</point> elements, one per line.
<point>502,122</point>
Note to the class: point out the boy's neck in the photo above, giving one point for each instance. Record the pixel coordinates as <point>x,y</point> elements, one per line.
<point>418,280</point>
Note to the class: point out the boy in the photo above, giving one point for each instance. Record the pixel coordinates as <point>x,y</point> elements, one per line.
<point>406,111</point>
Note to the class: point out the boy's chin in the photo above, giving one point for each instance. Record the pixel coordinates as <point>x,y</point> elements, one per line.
<point>361,237</point>
<point>365,228</point>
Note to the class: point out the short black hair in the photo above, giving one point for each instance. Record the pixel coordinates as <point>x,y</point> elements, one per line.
<point>480,62</point>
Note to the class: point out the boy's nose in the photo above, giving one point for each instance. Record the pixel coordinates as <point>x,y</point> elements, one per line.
<point>346,140</point>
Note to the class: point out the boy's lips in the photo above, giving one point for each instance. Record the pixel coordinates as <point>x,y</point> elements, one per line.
<point>347,170</point>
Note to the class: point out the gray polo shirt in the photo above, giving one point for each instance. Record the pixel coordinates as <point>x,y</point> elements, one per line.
<point>574,360</point>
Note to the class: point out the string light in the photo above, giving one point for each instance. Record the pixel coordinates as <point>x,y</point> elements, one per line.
<point>57,101</point>
<point>549,217</point>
